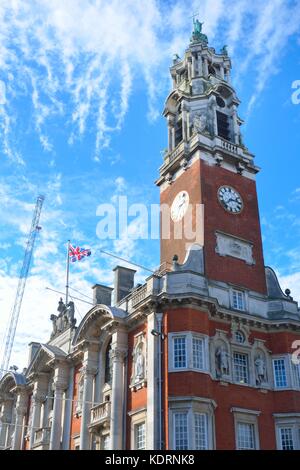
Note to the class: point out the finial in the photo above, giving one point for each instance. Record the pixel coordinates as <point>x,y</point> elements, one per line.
<point>288,294</point>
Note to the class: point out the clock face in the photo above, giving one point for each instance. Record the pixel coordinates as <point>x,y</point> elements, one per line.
<point>180,206</point>
<point>230,199</point>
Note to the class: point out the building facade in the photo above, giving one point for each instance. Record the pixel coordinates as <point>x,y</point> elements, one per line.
<point>202,355</point>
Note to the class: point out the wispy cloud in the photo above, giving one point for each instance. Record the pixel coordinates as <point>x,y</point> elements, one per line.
<point>80,60</point>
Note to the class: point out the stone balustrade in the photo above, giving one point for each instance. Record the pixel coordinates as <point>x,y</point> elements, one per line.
<point>100,413</point>
<point>41,436</point>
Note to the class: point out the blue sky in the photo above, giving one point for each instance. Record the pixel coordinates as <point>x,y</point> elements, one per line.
<point>82,88</point>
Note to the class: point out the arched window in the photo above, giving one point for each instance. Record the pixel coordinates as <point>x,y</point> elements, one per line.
<point>108,364</point>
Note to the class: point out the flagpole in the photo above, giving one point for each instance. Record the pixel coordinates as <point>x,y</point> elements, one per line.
<point>68,271</point>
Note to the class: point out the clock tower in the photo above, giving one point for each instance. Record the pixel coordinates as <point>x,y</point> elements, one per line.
<point>208,174</point>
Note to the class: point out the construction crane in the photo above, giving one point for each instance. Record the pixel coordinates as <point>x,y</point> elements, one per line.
<point>15,312</point>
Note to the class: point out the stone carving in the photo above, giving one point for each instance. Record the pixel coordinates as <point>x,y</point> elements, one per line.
<point>138,378</point>
<point>260,369</point>
<point>230,246</point>
<point>64,320</point>
<point>222,360</point>
<point>139,366</point>
<point>199,122</point>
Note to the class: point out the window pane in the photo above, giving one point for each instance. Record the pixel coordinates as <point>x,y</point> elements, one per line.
<point>238,300</point>
<point>201,441</point>
<point>286,437</point>
<point>179,352</point>
<point>198,353</point>
<point>140,436</point>
<point>241,369</point>
<point>280,373</point>
<point>181,431</point>
<point>246,439</point>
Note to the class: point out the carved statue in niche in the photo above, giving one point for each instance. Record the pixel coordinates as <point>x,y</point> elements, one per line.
<point>139,375</point>
<point>260,369</point>
<point>222,360</point>
<point>139,365</point>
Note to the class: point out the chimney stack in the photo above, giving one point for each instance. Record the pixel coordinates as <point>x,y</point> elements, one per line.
<point>102,294</point>
<point>123,283</point>
<point>33,347</point>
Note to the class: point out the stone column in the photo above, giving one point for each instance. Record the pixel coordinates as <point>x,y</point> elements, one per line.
<point>68,412</point>
<point>60,385</point>
<point>173,137</point>
<point>169,138</point>
<point>21,410</point>
<point>152,386</point>
<point>5,420</point>
<point>222,71</point>
<point>184,129</point>
<point>38,397</point>
<point>188,130</point>
<point>205,67</point>
<point>200,66</point>
<point>189,67</point>
<point>117,398</point>
<point>193,66</point>
<point>228,78</point>
<point>89,369</point>
<point>118,354</point>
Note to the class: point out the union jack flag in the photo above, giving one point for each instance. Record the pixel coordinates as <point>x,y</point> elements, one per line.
<point>76,254</point>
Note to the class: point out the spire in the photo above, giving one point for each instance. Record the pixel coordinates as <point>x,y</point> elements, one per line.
<point>197,35</point>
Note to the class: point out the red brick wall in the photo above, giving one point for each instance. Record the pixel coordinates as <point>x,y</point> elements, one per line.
<point>226,397</point>
<point>202,183</point>
<point>245,225</point>
<point>188,181</point>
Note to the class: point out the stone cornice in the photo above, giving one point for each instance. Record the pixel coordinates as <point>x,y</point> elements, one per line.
<point>164,301</point>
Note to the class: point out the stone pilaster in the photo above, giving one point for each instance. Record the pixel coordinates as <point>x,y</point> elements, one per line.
<point>117,401</point>
<point>89,369</point>
<point>5,420</point>
<point>21,410</point>
<point>152,385</point>
<point>38,398</point>
<point>60,385</point>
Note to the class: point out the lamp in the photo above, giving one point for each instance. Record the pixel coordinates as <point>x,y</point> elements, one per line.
<point>158,333</point>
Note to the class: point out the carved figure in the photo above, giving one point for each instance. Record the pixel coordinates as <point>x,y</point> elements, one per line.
<point>200,122</point>
<point>139,365</point>
<point>222,361</point>
<point>198,26</point>
<point>260,369</point>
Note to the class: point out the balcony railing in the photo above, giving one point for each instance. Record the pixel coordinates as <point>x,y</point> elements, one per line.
<point>139,295</point>
<point>229,146</point>
<point>41,436</point>
<point>100,413</point>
